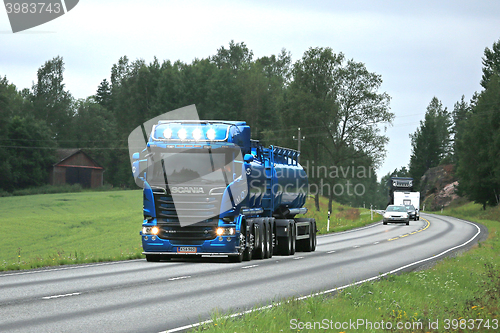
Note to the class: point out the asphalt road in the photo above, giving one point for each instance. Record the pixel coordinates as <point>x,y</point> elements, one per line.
<point>137,296</point>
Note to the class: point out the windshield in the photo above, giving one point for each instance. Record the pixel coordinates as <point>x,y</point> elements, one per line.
<point>200,167</point>
<point>410,207</point>
<point>396,209</point>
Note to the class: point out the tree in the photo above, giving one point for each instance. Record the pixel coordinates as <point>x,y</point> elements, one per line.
<point>103,94</point>
<point>51,102</point>
<point>431,142</point>
<point>460,114</point>
<point>31,154</point>
<point>491,63</point>
<point>97,134</point>
<point>340,108</point>
<point>478,148</point>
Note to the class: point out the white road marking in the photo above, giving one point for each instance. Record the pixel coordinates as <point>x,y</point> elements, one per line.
<point>59,296</point>
<point>297,258</point>
<point>251,266</point>
<point>179,278</point>
<point>331,251</point>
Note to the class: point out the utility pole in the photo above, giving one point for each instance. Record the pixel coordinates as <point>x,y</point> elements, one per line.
<point>299,138</point>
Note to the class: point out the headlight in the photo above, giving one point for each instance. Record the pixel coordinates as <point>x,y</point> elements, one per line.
<point>150,230</point>
<point>386,216</point>
<point>225,231</point>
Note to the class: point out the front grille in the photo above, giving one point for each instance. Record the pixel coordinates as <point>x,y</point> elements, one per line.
<point>191,217</point>
<point>187,233</point>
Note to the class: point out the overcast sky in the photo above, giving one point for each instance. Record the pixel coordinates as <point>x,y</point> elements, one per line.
<point>420,48</point>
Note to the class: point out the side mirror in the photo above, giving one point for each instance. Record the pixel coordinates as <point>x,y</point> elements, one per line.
<point>135,156</point>
<point>248,158</point>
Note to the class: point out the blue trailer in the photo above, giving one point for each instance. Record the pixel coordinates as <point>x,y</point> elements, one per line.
<point>209,190</point>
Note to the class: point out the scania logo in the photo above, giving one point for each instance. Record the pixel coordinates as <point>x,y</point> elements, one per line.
<point>186,189</point>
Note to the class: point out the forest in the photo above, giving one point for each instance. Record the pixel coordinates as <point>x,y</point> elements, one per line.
<point>335,101</point>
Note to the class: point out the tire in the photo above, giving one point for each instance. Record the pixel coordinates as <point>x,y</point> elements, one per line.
<point>249,239</point>
<point>269,240</point>
<point>236,258</point>
<point>285,244</point>
<point>293,241</point>
<point>153,257</point>
<point>385,223</point>
<point>260,246</point>
<point>314,239</point>
<point>408,222</point>
<point>267,246</point>
<point>306,245</point>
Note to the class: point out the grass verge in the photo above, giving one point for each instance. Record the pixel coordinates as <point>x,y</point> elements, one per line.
<point>460,294</point>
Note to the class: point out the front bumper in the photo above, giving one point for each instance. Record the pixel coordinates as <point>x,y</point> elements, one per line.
<point>396,220</point>
<point>221,245</point>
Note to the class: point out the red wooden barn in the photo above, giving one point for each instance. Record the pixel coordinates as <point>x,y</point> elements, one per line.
<point>76,167</point>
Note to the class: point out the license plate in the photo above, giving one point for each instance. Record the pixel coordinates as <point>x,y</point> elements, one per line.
<point>186,249</point>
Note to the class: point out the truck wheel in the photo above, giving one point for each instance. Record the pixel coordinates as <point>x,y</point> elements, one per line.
<point>271,242</point>
<point>267,242</point>
<point>153,257</point>
<point>236,258</point>
<point>260,246</point>
<point>249,242</point>
<point>293,240</point>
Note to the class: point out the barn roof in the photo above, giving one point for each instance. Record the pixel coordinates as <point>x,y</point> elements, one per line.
<point>65,154</point>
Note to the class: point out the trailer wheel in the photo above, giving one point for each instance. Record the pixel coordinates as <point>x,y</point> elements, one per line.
<point>285,243</point>
<point>294,241</point>
<point>308,244</point>
<point>315,240</point>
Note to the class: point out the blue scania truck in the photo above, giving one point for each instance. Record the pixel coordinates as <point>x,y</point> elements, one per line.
<point>209,190</point>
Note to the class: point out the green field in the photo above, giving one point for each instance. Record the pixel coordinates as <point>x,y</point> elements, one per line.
<point>55,229</point>
<point>59,229</point>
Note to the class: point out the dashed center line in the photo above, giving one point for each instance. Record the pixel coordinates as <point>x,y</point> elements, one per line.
<point>412,233</point>
<point>297,258</point>
<point>331,251</point>
<point>179,278</point>
<point>59,296</point>
<point>251,266</point>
